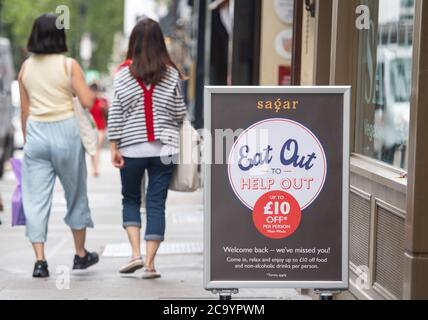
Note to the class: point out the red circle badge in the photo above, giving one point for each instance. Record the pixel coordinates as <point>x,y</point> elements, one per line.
<point>277,214</point>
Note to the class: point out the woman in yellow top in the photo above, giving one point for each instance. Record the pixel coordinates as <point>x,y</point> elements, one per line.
<point>53,147</point>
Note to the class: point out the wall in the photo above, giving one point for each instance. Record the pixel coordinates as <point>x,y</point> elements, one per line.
<point>271,27</point>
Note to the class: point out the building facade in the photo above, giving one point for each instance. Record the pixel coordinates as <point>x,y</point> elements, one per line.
<point>379,48</point>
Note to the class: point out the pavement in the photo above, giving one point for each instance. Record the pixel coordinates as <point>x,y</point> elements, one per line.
<point>180,259</point>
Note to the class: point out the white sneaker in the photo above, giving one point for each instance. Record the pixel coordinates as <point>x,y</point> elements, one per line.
<point>132,266</point>
<point>150,274</point>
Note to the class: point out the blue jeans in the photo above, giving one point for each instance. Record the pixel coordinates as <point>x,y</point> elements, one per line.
<point>160,175</point>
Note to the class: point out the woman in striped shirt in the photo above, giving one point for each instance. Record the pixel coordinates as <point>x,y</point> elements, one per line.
<point>143,130</point>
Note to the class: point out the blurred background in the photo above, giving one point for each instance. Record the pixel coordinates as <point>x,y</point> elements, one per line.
<point>274,43</point>
<point>97,38</point>
<point>223,42</point>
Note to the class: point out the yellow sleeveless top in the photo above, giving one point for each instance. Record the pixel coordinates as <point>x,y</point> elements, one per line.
<point>48,86</point>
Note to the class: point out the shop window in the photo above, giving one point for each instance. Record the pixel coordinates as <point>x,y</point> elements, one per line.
<point>384,82</point>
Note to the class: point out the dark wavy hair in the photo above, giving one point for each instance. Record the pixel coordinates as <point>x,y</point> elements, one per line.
<point>148,52</point>
<point>45,37</point>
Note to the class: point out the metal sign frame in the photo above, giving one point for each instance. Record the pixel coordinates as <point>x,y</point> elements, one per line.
<point>344,283</point>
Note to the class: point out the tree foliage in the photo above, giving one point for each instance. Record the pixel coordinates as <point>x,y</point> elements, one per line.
<point>101,18</point>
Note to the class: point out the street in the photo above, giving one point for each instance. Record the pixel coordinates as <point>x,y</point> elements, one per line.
<point>180,259</point>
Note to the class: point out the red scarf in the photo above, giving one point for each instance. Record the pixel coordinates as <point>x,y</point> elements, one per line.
<point>148,102</point>
<point>124,64</point>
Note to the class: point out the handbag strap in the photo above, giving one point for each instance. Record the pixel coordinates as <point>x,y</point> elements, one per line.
<point>68,66</point>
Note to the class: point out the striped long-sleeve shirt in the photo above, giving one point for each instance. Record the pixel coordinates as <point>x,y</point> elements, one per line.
<point>139,115</point>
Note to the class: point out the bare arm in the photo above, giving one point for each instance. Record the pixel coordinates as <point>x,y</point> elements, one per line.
<point>81,89</point>
<point>25,102</point>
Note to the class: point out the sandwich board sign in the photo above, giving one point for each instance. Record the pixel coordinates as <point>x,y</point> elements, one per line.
<point>276,187</point>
